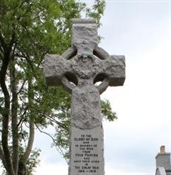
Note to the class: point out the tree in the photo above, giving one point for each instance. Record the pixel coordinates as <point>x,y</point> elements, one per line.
<point>28,30</point>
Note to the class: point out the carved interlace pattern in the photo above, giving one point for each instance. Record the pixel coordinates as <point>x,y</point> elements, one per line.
<point>85,69</point>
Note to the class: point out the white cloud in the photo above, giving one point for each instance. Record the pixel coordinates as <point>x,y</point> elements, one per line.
<point>52,169</point>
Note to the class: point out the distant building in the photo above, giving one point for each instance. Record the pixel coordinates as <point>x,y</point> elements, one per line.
<point>163,162</point>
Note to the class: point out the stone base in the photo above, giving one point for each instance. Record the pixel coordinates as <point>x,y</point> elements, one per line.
<point>86,155</point>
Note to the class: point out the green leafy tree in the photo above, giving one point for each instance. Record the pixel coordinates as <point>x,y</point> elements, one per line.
<point>28,30</point>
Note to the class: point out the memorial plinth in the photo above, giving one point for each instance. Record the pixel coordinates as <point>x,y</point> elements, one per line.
<point>77,70</point>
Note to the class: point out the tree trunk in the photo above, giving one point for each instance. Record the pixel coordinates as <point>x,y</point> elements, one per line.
<point>14,123</point>
<point>5,113</point>
<point>25,156</point>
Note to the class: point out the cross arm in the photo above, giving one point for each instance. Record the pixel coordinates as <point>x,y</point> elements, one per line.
<point>115,70</point>
<point>54,69</point>
<point>110,67</point>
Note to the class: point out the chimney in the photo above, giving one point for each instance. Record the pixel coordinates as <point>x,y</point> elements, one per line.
<point>163,159</point>
<point>162,149</point>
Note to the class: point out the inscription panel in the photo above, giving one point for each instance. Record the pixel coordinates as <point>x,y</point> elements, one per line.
<point>87,152</point>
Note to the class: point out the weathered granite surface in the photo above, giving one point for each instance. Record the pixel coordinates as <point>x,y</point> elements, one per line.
<point>77,70</point>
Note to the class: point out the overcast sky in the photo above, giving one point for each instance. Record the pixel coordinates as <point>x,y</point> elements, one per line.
<point>140,30</point>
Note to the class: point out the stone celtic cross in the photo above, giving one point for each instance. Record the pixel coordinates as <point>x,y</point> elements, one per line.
<point>78,70</point>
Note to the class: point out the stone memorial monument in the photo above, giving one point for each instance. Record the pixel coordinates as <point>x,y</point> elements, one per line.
<point>78,70</point>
